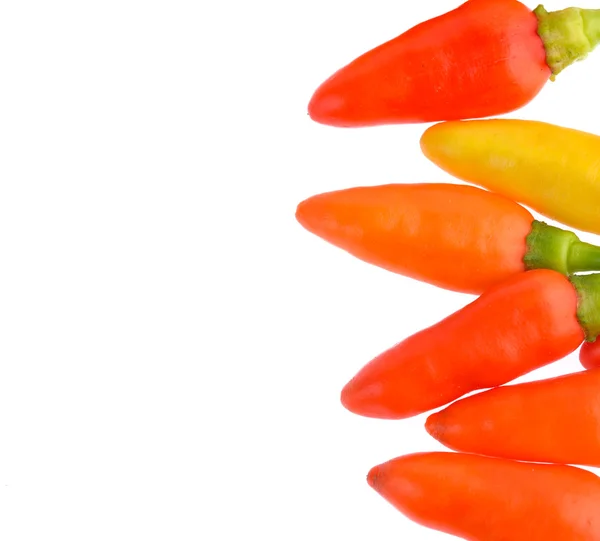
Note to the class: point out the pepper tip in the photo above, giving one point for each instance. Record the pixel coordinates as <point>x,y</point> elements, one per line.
<point>331,107</point>
<point>323,108</point>
<point>300,214</point>
<point>374,477</point>
<point>434,426</point>
<point>363,397</point>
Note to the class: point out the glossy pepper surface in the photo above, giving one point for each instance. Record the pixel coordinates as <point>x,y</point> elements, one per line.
<point>555,420</point>
<point>485,58</point>
<point>551,169</point>
<point>453,236</point>
<point>529,320</point>
<point>489,499</point>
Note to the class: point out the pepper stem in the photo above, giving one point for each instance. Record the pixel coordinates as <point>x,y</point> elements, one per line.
<point>588,305</point>
<point>591,25</point>
<point>583,257</point>
<point>550,247</point>
<point>568,35</point>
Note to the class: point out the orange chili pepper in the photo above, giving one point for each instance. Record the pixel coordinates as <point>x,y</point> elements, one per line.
<point>526,322</point>
<point>489,499</point>
<point>456,237</point>
<point>555,420</point>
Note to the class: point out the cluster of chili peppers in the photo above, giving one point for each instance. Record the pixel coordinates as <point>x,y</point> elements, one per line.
<point>485,58</point>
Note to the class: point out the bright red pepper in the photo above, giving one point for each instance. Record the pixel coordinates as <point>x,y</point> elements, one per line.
<point>589,355</point>
<point>485,58</point>
<point>526,322</point>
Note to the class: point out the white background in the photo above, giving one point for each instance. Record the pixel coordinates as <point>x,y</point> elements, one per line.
<point>173,343</point>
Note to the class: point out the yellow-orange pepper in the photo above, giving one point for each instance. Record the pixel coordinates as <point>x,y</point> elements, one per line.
<point>551,169</point>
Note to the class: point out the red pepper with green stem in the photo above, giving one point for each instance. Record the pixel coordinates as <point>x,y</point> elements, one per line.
<point>457,237</point>
<point>524,323</point>
<point>485,58</point>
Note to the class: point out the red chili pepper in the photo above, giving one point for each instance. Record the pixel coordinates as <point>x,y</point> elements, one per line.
<point>555,420</point>
<point>457,237</point>
<point>589,355</point>
<point>526,322</point>
<point>490,499</point>
<point>485,58</point>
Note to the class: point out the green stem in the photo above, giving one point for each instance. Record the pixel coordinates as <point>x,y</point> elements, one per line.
<point>591,24</point>
<point>550,247</point>
<point>568,35</point>
<point>583,257</point>
<point>588,305</point>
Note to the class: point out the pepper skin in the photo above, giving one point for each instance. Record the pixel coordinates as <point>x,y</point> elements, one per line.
<point>457,237</point>
<point>555,420</point>
<point>551,169</point>
<point>589,355</point>
<point>527,321</point>
<point>489,499</point>
<point>485,58</point>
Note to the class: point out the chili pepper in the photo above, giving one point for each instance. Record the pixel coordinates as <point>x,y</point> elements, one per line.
<point>490,499</point>
<point>589,355</point>
<point>555,420</point>
<point>484,58</point>
<point>523,323</point>
<point>551,169</point>
<point>457,237</point>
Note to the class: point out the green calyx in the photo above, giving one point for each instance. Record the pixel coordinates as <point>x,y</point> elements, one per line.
<point>550,247</point>
<point>568,35</point>
<point>588,305</point>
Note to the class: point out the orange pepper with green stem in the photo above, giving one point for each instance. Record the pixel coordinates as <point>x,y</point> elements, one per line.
<point>551,169</point>
<point>456,237</point>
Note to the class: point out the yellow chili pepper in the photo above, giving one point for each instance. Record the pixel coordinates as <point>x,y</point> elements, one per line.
<point>553,170</point>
